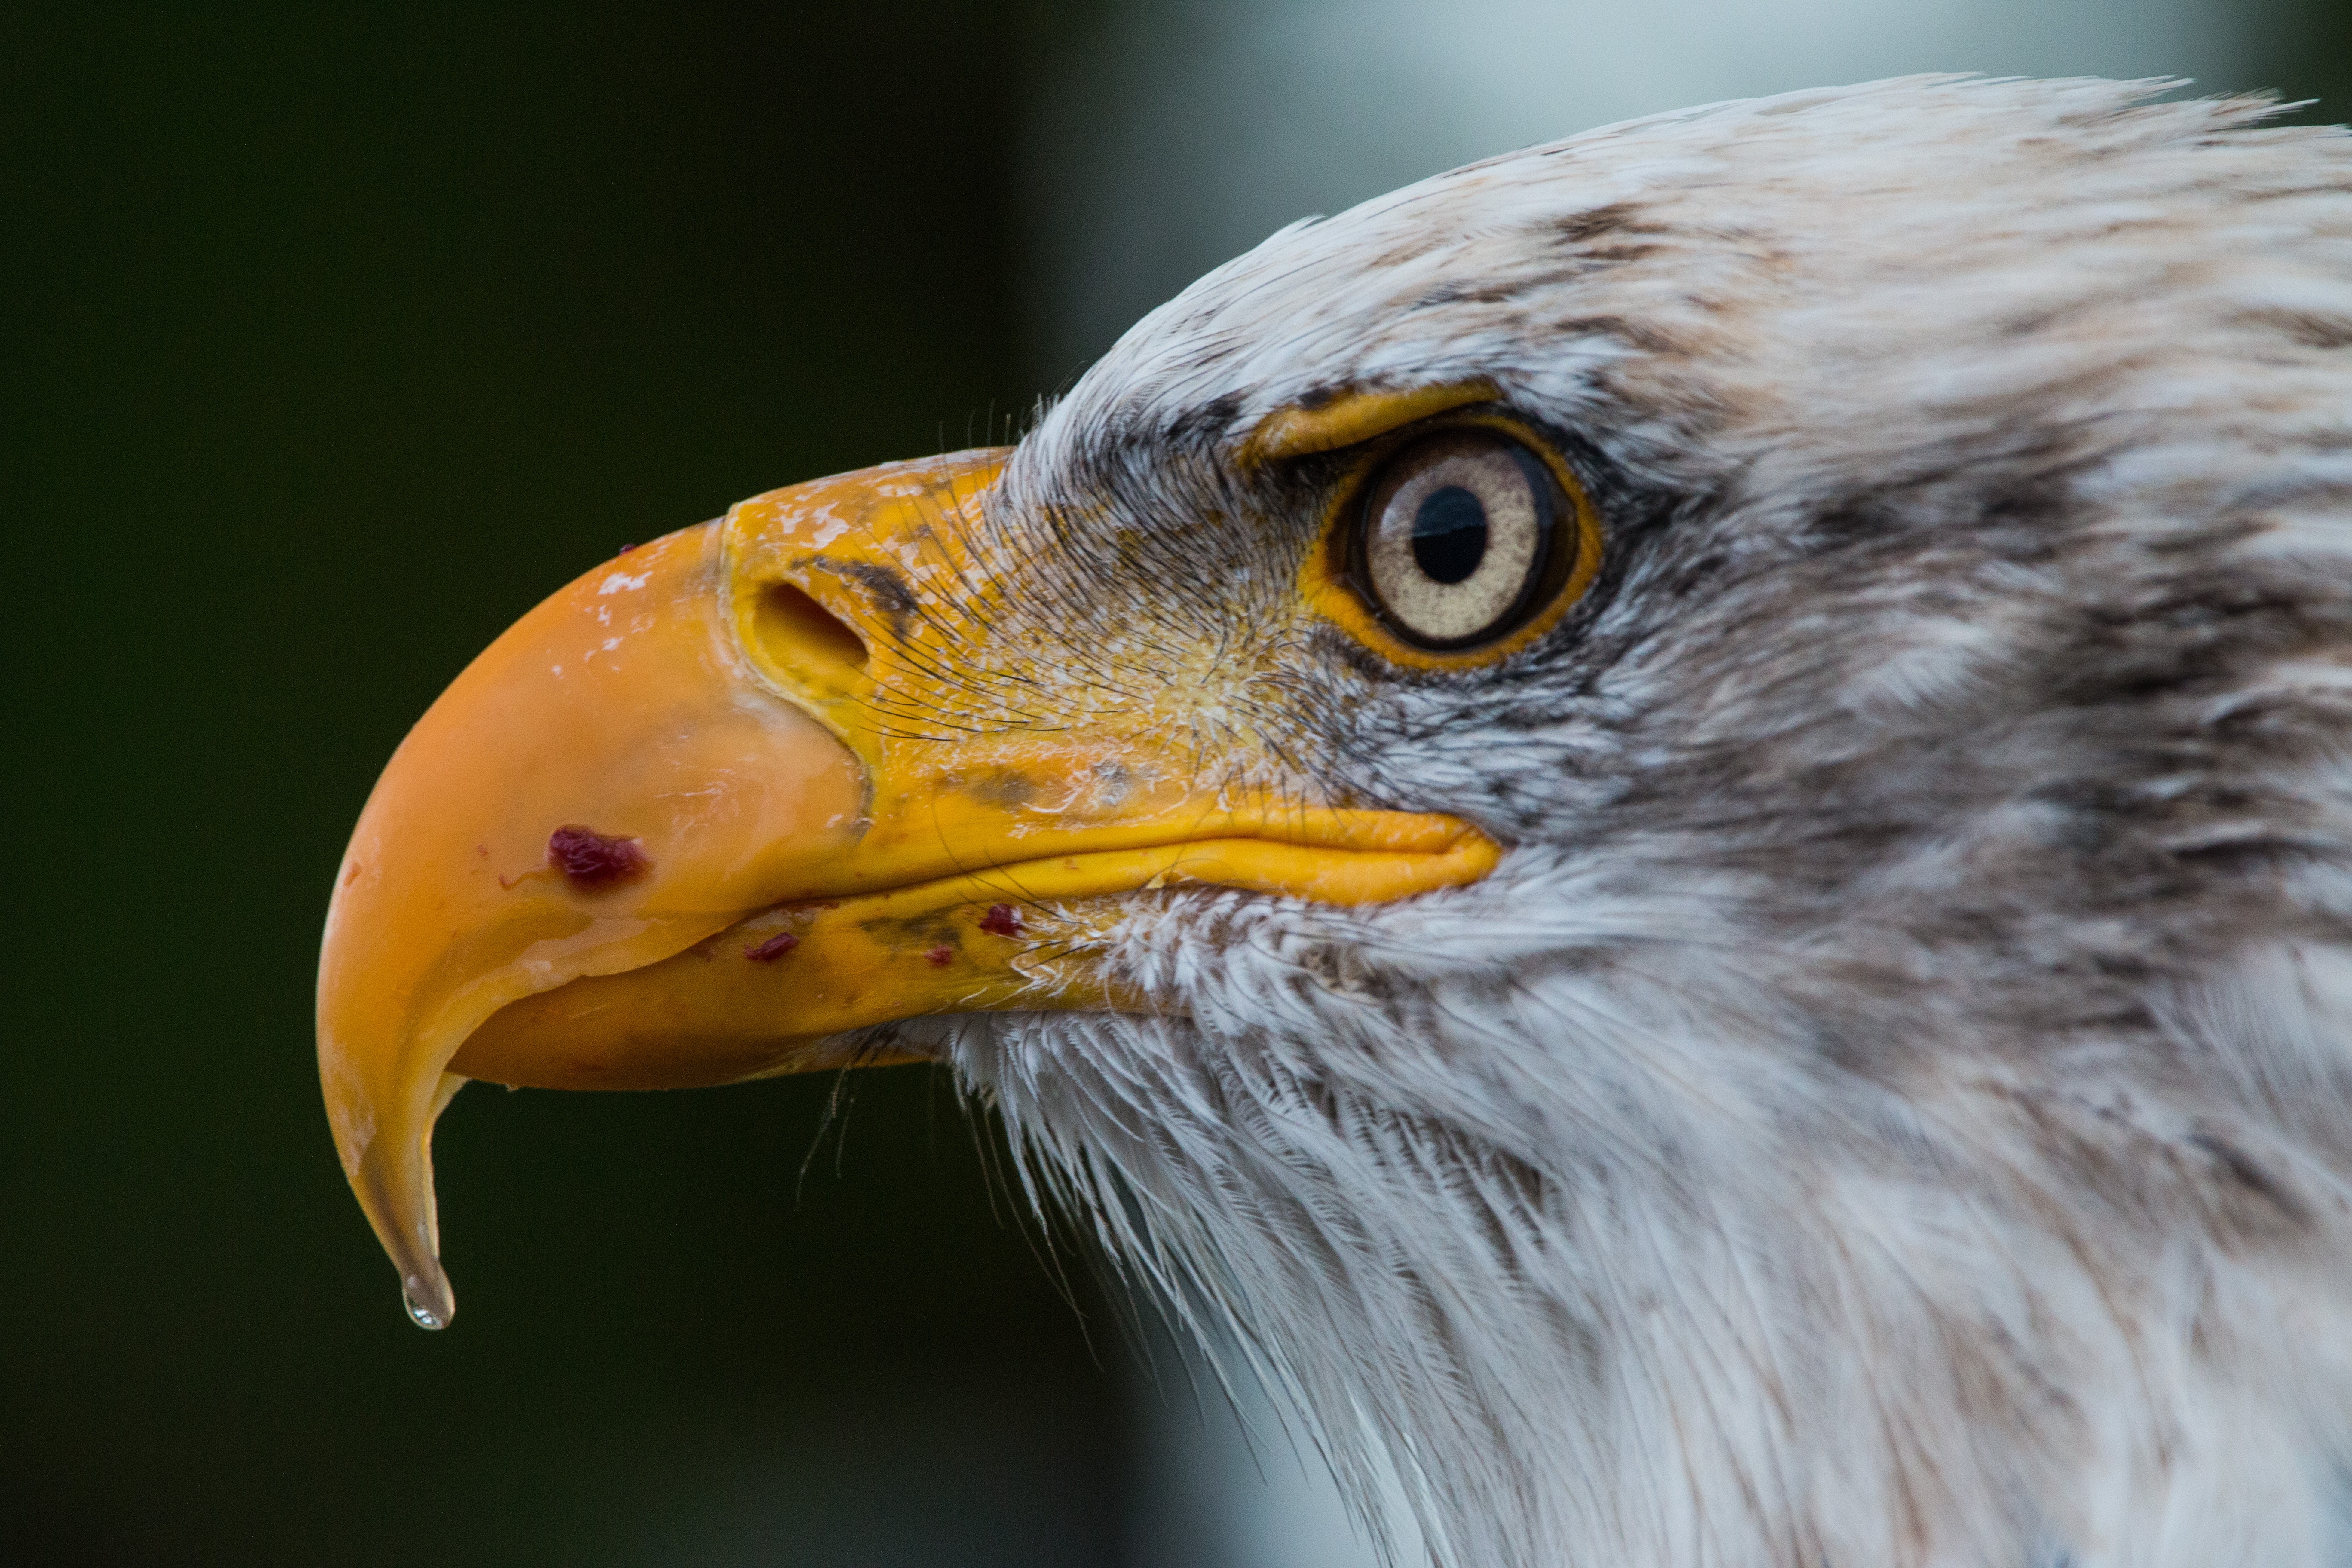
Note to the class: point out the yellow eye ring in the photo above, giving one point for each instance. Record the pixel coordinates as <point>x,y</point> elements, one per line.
<point>1335,583</point>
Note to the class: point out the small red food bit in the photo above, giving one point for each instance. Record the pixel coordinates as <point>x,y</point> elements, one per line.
<point>625,550</point>
<point>774,948</point>
<point>940,957</point>
<point>592,859</point>
<point>1001,920</point>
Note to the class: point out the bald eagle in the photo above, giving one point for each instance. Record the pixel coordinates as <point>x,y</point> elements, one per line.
<point>1669,818</point>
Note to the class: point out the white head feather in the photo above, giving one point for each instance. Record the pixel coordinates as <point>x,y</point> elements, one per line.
<point>1893,1103</point>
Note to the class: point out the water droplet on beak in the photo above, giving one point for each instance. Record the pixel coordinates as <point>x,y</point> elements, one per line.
<point>423,1316</point>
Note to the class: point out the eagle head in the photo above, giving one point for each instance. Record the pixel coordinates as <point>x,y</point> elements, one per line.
<point>1665,820</point>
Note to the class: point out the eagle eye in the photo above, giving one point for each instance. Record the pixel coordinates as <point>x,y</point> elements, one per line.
<point>1457,534</point>
<point>1451,548</point>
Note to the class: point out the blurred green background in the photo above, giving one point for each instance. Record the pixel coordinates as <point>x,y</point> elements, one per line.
<point>347,334</point>
<point>338,337</point>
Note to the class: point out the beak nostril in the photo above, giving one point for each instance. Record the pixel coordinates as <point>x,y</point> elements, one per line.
<point>799,633</point>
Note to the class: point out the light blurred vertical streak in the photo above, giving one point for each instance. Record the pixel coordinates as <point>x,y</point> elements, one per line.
<point>1166,135</point>
<point>1228,1482</point>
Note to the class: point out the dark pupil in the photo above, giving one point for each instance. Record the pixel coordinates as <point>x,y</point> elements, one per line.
<point>1449,535</point>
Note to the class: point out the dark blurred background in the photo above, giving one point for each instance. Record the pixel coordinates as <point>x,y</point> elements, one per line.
<point>337,337</point>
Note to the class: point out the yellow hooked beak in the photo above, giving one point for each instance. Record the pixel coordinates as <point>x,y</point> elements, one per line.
<point>724,799</point>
